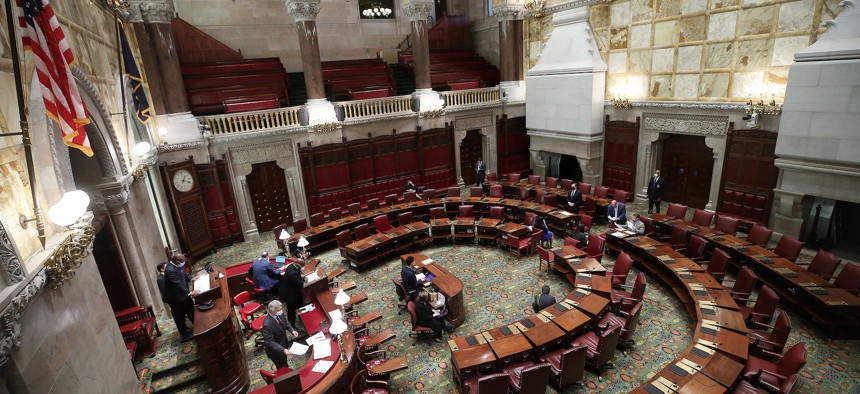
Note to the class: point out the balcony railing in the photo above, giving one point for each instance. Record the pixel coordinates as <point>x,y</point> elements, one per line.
<point>376,107</point>
<point>251,121</point>
<point>460,98</point>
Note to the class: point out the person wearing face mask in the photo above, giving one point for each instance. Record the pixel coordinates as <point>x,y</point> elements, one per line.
<point>177,295</point>
<point>275,329</point>
<point>656,187</point>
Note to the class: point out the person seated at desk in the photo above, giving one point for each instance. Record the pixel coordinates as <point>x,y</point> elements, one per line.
<point>427,316</point>
<point>274,332</point>
<point>408,279</point>
<point>264,274</point>
<point>617,213</point>
<point>637,225</point>
<point>543,300</point>
<point>290,289</point>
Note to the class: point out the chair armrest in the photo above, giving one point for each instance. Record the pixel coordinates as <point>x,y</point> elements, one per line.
<point>634,300</point>
<point>780,377</point>
<point>376,353</point>
<point>769,342</point>
<point>765,325</point>
<point>624,313</point>
<point>355,332</point>
<point>802,264</point>
<point>775,356</point>
<point>627,287</point>
<point>378,383</point>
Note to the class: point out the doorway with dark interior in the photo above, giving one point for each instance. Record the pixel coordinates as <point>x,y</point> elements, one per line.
<point>687,165</point>
<point>568,168</point>
<point>270,198</point>
<point>470,152</point>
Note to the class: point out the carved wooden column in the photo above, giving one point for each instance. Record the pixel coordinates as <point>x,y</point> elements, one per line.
<point>509,14</point>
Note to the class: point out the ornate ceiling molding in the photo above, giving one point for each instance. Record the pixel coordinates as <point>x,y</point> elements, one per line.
<point>684,105</point>
<point>303,10</point>
<point>571,5</point>
<point>245,156</point>
<point>182,146</point>
<point>10,317</point>
<point>417,10</point>
<point>686,124</point>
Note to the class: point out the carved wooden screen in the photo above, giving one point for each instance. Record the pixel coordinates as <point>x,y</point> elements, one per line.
<point>749,174</point>
<point>621,139</point>
<point>512,144</point>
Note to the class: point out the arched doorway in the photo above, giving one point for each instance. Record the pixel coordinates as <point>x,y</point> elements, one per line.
<point>470,152</point>
<point>270,197</point>
<point>688,166</point>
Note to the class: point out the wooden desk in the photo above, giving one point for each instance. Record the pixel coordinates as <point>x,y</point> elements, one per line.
<point>596,283</point>
<point>511,350</point>
<point>448,285</point>
<point>545,337</point>
<point>588,302</point>
<point>472,361</point>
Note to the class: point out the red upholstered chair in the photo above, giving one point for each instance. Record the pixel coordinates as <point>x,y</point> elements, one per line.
<point>362,384</point>
<point>277,231</point>
<point>497,213</point>
<point>718,265</point>
<point>703,217</point>
<point>601,192</point>
<point>404,218</point>
<point>535,240</point>
<point>726,224</point>
<point>595,246</point>
<point>373,203</point>
<point>256,327</point>
<point>551,200</point>
<point>496,191</point>
<point>744,285</point>
<point>362,231</point>
<point>317,219</point>
<point>354,208</point>
<point>344,238</point>
<point>530,219</point>
<point>300,225</point>
<point>677,211</point>
<point>429,194</point>
<point>649,225</point>
<point>774,374</point>
<point>566,184</point>
<point>467,211</point>
<point>762,312</point>
<point>534,180</point>
<point>258,292</point>
<point>492,177</point>
<point>677,238</point>
<point>789,247</point>
<point>138,326</point>
<point>824,264</point>
<point>381,223</point>
<point>523,194</point>
<point>601,347</point>
<point>417,331</point>
<point>551,182</point>
<point>849,278</point>
<point>589,206</point>
<point>246,306</point>
<point>269,377</point>
<point>759,235</point>
<point>584,188</point>
<point>513,177</point>
<point>476,192</point>
<point>391,199</point>
<point>624,300</point>
<point>516,245</point>
<point>627,320</point>
<point>544,255</point>
<point>528,377</point>
<point>410,197</point>
<point>755,386</point>
<point>621,195</point>
<point>586,220</point>
<point>453,192</point>
<point>489,384</point>
<point>620,270</point>
<point>773,341</point>
<point>568,241</point>
<point>695,248</point>
<point>567,366</point>
<point>540,197</point>
<point>334,214</point>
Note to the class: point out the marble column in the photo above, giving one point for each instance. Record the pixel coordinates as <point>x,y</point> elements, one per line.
<point>417,11</point>
<point>509,14</point>
<point>319,109</point>
<point>116,205</point>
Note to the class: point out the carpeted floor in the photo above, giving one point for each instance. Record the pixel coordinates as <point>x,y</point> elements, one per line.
<point>498,290</point>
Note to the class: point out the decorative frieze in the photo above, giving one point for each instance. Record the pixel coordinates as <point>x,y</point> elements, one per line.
<point>149,11</point>
<point>182,146</point>
<point>417,10</point>
<point>508,11</point>
<point>243,157</point>
<point>475,122</point>
<point>684,105</point>
<point>10,317</point>
<point>303,10</point>
<point>9,258</point>
<point>686,124</point>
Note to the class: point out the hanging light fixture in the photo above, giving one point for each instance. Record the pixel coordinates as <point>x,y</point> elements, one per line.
<point>376,10</point>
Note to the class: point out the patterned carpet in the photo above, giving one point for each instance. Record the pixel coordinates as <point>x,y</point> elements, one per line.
<point>499,289</point>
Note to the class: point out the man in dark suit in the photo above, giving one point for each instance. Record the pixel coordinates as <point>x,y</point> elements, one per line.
<point>290,289</point>
<point>264,274</point>
<point>580,235</point>
<point>617,213</point>
<point>574,199</point>
<point>481,169</point>
<point>159,278</point>
<point>177,295</point>
<point>656,187</point>
<point>408,279</point>
<point>274,331</point>
<point>543,299</point>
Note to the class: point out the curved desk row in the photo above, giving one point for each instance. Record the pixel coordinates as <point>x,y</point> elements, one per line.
<point>512,188</point>
<point>448,285</point>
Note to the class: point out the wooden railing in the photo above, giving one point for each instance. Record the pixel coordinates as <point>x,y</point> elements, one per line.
<point>458,98</point>
<point>375,107</point>
<point>251,121</point>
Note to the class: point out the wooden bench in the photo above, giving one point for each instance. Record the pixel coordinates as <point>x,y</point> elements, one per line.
<point>355,71</point>
<point>211,100</point>
<point>251,103</point>
<point>371,92</point>
<point>221,80</point>
<point>463,84</point>
<point>350,62</point>
<point>238,66</point>
<point>490,76</point>
<point>338,89</point>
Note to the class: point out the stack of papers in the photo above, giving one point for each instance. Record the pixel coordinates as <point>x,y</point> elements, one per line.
<point>427,261</point>
<point>312,277</point>
<point>201,284</point>
<point>322,366</point>
<point>307,308</point>
<point>420,277</point>
<point>298,348</point>
<point>322,349</point>
<point>319,336</point>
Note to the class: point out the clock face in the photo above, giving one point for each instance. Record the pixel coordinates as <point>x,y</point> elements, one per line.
<point>183,180</point>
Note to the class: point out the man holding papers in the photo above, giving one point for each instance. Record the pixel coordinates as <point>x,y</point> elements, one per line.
<point>275,329</point>
<point>617,213</point>
<point>637,225</point>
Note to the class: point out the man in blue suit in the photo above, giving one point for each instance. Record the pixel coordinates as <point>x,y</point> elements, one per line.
<point>264,274</point>
<point>617,213</point>
<point>407,277</point>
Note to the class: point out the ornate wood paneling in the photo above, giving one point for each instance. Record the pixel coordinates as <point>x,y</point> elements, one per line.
<point>619,153</point>
<point>688,166</point>
<point>450,33</point>
<point>195,46</point>
<point>270,197</point>
<point>512,144</point>
<point>470,152</point>
<point>749,173</point>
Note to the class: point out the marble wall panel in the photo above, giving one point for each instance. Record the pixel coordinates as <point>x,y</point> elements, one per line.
<point>667,8</point>
<point>753,54</point>
<point>599,16</point>
<point>686,86</point>
<point>745,83</point>
<point>660,86</point>
<point>642,9</point>
<point>714,85</point>
<point>795,16</point>
<point>722,26</point>
<point>784,49</point>
<point>640,36</point>
<point>619,14</point>
<point>758,20</point>
<point>618,38</point>
<point>617,62</point>
<point>693,6</point>
<point>640,61</point>
<point>719,55</point>
<point>663,60</point>
<point>665,33</point>
<point>692,29</point>
<point>689,58</point>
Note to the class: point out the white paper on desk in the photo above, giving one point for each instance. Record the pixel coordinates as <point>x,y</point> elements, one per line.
<point>298,349</point>
<point>322,366</point>
<point>322,349</point>
<point>619,234</point>
<point>201,284</point>
<point>420,277</point>
<point>335,314</point>
<point>307,308</point>
<point>312,277</point>
<point>319,336</point>
<point>427,261</point>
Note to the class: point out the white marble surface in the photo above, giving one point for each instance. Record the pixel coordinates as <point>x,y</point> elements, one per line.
<point>689,58</point>
<point>722,26</point>
<point>662,60</point>
<point>640,36</point>
<point>795,16</point>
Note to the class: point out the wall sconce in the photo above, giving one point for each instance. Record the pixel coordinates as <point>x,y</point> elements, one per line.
<point>619,99</point>
<point>70,212</point>
<point>141,151</point>
<point>762,107</point>
<point>622,103</point>
<point>432,110</point>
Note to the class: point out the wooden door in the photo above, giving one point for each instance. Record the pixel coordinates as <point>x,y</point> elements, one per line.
<point>269,195</point>
<point>109,261</point>
<point>470,152</point>
<point>687,165</point>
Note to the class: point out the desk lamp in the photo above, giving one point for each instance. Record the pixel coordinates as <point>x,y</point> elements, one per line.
<point>341,299</point>
<point>303,243</point>
<point>339,327</point>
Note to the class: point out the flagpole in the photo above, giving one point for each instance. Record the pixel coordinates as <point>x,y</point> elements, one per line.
<point>25,128</point>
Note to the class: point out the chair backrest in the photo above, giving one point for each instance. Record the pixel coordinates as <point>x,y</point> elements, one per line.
<point>622,266</point>
<point>551,200</point>
<point>410,197</point>
<point>632,322</point>
<point>373,203</point>
<point>497,213</point>
<point>534,379</point>
<point>584,188</point>
<point>566,184</point>
<point>781,330</point>
<point>678,236</point>
<point>277,231</point>
<point>399,289</point>
<point>606,343</point>
<point>467,211</point>
<point>719,262</point>
<point>476,192</point>
<point>540,197</point>
<point>317,219</point>
<point>362,231</point>
<point>677,211</point>
<point>492,177</point>
<point>789,247</point>
<point>429,194</point>
<point>514,177</point>
<point>589,204</point>
<point>568,241</point>
<point>765,306</point>
<point>354,208</point>
<point>334,214</point>
<point>404,218</point>
<point>824,264</point>
<point>620,195</point>
<point>586,220</point>
<point>250,282</point>
<point>493,384</point>
<point>241,298</point>
<point>530,219</point>
<point>343,238</point>
<point>595,245</point>
<point>759,235</point>
<point>849,278</point>
<point>649,224</point>
<point>453,192</point>
<point>792,361</point>
<point>437,213</point>
<point>572,365</point>
<point>703,217</point>
<point>523,194</point>
<point>639,285</point>
<point>536,237</point>
<point>745,283</point>
<point>391,199</point>
<point>269,377</point>
<point>601,192</point>
<point>300,225</point>
<point>727,224</point>
<point>496,191</point>
<point>412,317</point>
<point>534,180</point>
<point>551,181</point>
<point>382,224</point>
<point>696,247</point>
<point>543,254</point>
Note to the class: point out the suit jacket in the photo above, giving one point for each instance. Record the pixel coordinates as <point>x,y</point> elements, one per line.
<point>409,281</point>
<point>620,212</point>
<point>175,284</point>
<point>656,187</point>
<point>575,198</point>
<point>582,238</point>
<point>542,301</point>
<point>275,336</point>
<point>424,314</point>
<point>161,285</point>
<point>263,274</point>
<point>290,289</point>
<point>481,167</point>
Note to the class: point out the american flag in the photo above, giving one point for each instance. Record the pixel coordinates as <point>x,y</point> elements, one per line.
<point>43,36</point>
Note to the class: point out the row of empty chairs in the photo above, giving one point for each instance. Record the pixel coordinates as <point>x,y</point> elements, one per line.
<point>380,190</point>
<point>567,184</point>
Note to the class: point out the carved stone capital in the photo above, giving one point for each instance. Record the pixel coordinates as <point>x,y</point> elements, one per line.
<point>417,10</point>
<point>150,11</point>
<point>113,198</point>
<point>303,10</point>
<point>10,317</point>
<point>508,11</point>
<point>9,257</point>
